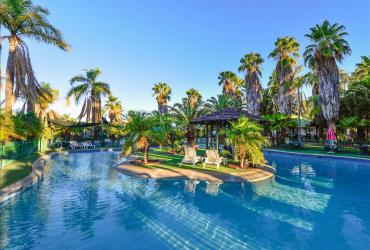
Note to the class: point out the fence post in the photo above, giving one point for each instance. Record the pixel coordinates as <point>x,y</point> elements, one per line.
<point>2,155</point>
<point>22,150</point>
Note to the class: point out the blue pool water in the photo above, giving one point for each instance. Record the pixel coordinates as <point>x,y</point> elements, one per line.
<point>84,203</point>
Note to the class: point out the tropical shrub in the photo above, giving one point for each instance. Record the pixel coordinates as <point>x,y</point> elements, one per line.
<point>141,130</point>
<point>247,138</point>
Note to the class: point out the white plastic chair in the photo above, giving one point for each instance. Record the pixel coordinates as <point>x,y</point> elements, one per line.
<point>190,156</point>
<point>74,145</point>
<point>87,145</point>
<point>212,158</point>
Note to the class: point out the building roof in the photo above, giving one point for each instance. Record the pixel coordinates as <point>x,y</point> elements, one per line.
<point>225,115</point>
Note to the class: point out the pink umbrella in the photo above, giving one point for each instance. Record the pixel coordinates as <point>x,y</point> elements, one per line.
<point>331,135</point>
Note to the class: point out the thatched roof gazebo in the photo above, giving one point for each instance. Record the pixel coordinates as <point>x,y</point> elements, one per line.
<point>220,119</point>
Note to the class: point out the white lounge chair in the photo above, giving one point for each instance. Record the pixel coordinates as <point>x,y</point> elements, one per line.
<point>212,158</point>
<point>190,156</point>
<point>74,145</point>
<point>87,145</point>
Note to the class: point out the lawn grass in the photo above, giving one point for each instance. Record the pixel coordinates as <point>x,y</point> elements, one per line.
<point>170,161</point>
<point>319,149</point>
<point>18,170</point>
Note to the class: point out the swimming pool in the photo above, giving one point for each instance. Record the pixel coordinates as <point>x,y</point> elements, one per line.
<point>83,203</point>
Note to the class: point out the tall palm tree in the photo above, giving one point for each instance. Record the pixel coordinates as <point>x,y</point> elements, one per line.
<point>362,70</point>
<point>184,113</point>
<point>250,64</point>
<point>114,108</point>
<point>227,81</point>
<point>194,97</point>
<point>24,20</point>
<point>162,93</point>
<point>44,102</point>
<point>327,47</point>
<point>285,53</point>
<point>87,87</point>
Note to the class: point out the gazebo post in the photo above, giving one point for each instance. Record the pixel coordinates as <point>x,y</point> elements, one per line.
<point>211,136</point>
<point>217,142</point>
<point>206,136</point>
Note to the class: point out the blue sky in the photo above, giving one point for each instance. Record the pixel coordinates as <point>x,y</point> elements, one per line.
<point>184,43</point>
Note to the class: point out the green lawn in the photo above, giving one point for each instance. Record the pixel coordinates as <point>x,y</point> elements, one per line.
<point>319,149</point>
<point>16,171</point>
<point>170,161</point>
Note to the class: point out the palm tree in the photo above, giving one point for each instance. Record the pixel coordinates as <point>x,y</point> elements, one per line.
<point>362,69</point>
<point>248,140</point>
<point>221,102</point>
<point>45,101</point>
<point>285,53</point>
<point>24,20</point>
<point>227,81</point>
<point>114,109</point>
<point>184,114</point>
<point>162,93</point>
<point>141,130</point>
<point>327,47</point>
<point>250,64</point>
<point>87,87</point>
<point>194,97</point>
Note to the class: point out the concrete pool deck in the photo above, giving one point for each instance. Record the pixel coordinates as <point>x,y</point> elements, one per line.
<point>249,175</point>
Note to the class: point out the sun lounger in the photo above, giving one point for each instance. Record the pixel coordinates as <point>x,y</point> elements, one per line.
<point>190,156</point>
<point>87,145</point>
<point>212,158</point>
<point>74,145</point>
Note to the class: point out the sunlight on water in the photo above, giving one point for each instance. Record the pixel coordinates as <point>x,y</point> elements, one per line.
<point>96,207</point>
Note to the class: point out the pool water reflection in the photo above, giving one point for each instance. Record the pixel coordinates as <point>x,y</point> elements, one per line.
<point>84,203</point>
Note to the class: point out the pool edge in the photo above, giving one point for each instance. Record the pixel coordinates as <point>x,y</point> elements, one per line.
<point>318,155</point>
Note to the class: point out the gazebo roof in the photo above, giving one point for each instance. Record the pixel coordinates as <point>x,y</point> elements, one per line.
<point>225,115</point>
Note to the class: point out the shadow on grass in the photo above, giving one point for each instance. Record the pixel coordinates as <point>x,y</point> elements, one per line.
<point>17,170</point>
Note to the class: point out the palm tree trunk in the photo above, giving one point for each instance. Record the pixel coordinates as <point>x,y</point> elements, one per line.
<point>145,153</point>
<point>329,90</point>
<point>253,96</point>
<point>284,99</point>
<point>190,135</point>
<point>9,97</point>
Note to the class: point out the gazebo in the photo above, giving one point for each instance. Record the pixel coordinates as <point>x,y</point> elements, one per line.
<point>220,119</point>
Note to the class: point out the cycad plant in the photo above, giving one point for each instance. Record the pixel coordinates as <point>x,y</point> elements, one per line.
<point>327,48</point>
<point>24,20</point>
<point>91,90</point>
<point>250,64</point>
<point>247,138</point>
<point>286,54</point>
<point>141,130</point>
